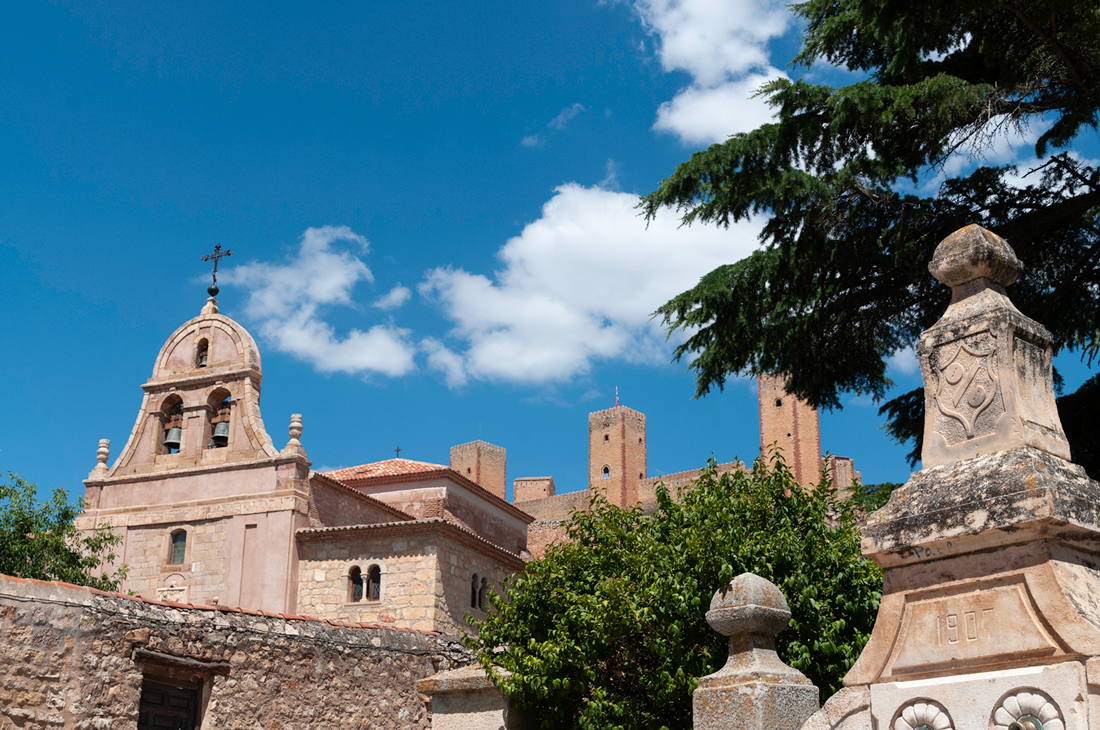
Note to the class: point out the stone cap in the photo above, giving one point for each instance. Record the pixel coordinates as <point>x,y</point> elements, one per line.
<point>1009,497</point>
<point>749,604</point>
<point>971,253</point>
<point>465,679</point>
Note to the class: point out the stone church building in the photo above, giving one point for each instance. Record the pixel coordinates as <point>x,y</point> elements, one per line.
<point>213,513</point>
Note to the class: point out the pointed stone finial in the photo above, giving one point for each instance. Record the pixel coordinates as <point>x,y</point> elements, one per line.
<point>755,690</point>
<point>988,383</point>
<point>294,446</point>
<point>102,454</point>
<point>211,306</point>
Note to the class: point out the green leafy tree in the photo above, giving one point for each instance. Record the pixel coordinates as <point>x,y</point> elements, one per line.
<point>608,630</point>
<point>41,540</point>
<point>841,280</point>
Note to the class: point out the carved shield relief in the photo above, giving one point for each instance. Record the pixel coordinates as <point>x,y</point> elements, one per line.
<point>968,398</point>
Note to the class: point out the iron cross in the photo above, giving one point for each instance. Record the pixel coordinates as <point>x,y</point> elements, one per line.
<point>397,451</point>
<point>217,256</point>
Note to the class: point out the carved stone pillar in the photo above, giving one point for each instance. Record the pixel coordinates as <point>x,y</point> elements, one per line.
<point>987,367</point>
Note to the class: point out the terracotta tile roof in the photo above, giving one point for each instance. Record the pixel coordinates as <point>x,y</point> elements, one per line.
<point>425,524</point>
<point>387,468</point>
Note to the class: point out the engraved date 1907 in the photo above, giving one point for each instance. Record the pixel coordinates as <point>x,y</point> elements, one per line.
<point>949,630</point>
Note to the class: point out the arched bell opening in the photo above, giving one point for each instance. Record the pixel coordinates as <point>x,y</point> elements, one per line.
<point>171,417</point>
<point>202,353</point>
<point>220,407</point>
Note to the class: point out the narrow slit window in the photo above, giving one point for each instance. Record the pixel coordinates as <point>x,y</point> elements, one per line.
<point>473,591</point>
<point>606,472</point>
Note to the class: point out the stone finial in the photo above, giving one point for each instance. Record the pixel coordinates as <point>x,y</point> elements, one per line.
<point>211,306</point>
<point>294,446</point>
<point>102,454</point>
<point>988,383</point>
<point>755,690</point>
<point>972,253</point>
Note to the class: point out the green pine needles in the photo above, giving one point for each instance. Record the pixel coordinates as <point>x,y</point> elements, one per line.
<point>608,630</point>
<point>861,182</point>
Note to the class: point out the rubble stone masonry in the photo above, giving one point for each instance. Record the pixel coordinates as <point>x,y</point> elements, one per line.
<point>77,658</point>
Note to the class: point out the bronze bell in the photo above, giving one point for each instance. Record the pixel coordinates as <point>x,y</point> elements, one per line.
<point>221,434</point>
<point>202,359</point>
<point>172,440</point>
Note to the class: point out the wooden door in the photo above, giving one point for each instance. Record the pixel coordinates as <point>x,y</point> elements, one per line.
<point>168,707</point>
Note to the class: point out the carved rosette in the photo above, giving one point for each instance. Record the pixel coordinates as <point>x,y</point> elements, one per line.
<point>967,388</point>
<point>1022,705</point>
<point>923,715</point>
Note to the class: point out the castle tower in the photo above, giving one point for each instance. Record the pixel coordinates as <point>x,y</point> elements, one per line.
<point>792,425</point>
<point>200,490</point>
<point>483,464</point>
<point>616,453</point>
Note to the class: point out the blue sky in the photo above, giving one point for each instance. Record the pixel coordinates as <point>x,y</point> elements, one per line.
<point>430,207</point>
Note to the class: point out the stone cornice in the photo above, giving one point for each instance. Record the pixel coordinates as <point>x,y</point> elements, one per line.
<point>240,504</point>
<point>155,385</point>
<point>144,476</point>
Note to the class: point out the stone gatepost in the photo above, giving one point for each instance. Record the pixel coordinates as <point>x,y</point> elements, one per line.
<point>465,699</point>
<point>990,615</point>
<point>755,690</point>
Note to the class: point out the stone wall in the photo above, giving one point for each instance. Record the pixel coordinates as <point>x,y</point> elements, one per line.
<point>201,577</point>
<point>427,569</point>
<point>76,658</point>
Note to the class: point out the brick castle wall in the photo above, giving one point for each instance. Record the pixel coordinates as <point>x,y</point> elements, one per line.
<point>616,441</point>
<point>791,425</point>
<point>525,489</point>
<point>483,464</point>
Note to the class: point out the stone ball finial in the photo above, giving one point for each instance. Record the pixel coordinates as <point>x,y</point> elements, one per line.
<point>749,604</point>
<point>971,253</point>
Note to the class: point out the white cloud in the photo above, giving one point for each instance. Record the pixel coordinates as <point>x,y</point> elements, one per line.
<point>714,40</point>
<point>700,115</point>
<point>578,285</point>
<point>445,361</point>
<point>904,360</point>
<point>611,179</point>
<point>723,45</point>
<point>394,299</point>
<point>530,140</point>
<point>287,301</point>
<point>565,115</point>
